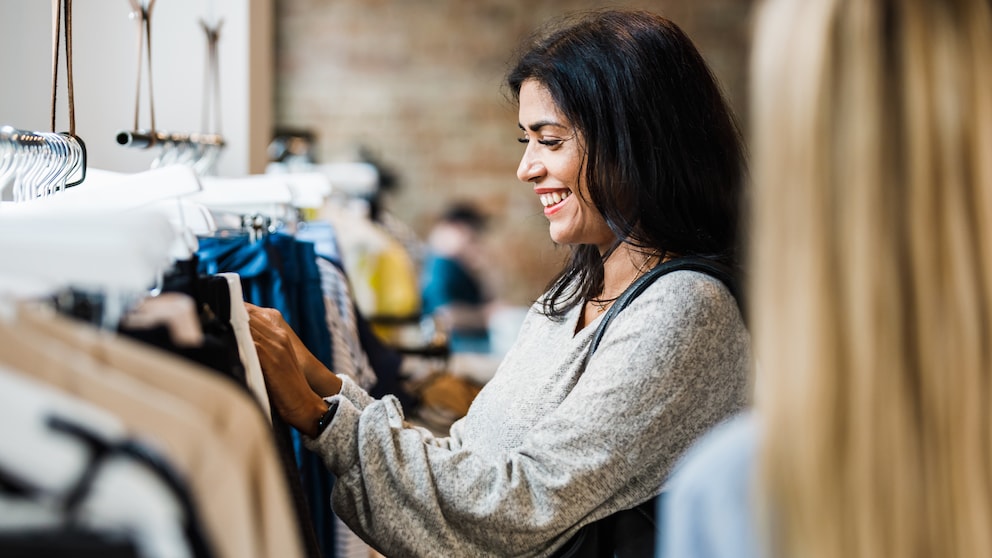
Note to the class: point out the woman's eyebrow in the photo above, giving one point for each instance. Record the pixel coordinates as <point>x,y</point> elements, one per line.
<point>536,126</point>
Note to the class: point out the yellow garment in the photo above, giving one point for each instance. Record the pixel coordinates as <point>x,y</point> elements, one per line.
<point>383,276</point>
<point>391,275</point>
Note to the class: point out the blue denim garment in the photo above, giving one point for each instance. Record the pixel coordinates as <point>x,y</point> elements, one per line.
<point>323,236</point>
<point>280,272</point>
<point>302,290</point>
<point>261,280</point>
<point>305,297</point>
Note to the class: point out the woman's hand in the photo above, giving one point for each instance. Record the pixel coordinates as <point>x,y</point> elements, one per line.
<point>288,366</point>
<point>269,323</point>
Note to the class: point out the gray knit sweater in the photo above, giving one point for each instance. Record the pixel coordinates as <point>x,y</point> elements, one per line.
<point>548,445</point>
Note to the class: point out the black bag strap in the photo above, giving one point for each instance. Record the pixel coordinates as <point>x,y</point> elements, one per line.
<point>687,263</point>
<point>632,533</point>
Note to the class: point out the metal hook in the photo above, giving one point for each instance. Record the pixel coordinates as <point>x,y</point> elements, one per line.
<point>80,162</point>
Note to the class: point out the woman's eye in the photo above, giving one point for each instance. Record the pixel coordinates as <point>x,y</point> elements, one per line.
<point>553,143</point>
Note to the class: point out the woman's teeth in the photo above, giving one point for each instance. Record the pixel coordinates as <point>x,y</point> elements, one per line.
<point>547,200</point>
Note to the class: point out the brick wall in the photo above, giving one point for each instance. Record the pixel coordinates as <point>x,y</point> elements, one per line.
<point>418,82</point>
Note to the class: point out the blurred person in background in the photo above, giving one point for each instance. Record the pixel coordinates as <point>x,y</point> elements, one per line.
<point>452,287</point>
<point>871,294</point>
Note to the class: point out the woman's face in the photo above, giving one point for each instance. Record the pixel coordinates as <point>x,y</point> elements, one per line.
<point>552,162</point>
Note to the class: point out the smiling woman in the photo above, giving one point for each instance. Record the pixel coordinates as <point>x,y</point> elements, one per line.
<point>554,165</point>
<point>656,162</point>
<point>634,156</point>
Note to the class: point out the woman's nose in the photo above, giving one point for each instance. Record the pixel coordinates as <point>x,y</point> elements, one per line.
<point>531,168</point>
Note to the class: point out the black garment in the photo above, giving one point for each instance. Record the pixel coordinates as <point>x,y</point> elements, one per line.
<point>220,352</point>
<point>304,509</point>
<point>65,543</point>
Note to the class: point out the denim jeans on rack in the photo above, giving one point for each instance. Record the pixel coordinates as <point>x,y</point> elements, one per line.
<point>279,271</point>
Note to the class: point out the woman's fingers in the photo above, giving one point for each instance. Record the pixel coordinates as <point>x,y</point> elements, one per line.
<point>268,324</point>
<point>284,379</point>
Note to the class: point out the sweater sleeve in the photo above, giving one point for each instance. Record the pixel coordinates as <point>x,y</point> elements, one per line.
<point>670,366</point>
<point>359,399</point>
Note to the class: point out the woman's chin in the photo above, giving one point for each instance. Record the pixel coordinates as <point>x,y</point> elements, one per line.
<point>558,236</point>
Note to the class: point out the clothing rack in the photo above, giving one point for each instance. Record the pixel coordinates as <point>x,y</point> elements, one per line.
<point>40,163</point>
<point>199,151</point>
<point>144,138</point>
<point>99,251</point>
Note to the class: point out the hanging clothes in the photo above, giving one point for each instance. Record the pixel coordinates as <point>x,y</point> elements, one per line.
<point>212,431</point>
<point>280,272</point>
<point>246,348</point>
<point>74,480</point>
<point>276,271</point>
<point>220,299</point>
<point>383,276</point>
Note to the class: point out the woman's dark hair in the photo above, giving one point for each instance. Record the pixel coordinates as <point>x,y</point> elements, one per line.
<point>665,163</point>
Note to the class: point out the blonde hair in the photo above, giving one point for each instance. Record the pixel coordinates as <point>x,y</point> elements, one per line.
<point>872,283</point>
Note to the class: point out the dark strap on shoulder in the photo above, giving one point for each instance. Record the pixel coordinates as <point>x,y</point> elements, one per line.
<point>633,532</point>
<point>688,263</point>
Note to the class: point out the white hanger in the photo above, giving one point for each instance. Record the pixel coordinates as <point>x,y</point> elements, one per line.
<point>189,220</point>
<point>353,179</point>
<point>160,190</point>
<point>187,215</point>
<point>118,252</point>
<point>264,194</point>
<point>309,189</point>
<point>110,191</point>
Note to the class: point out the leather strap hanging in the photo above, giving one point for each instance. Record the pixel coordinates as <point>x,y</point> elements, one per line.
<point>62,19</point>
<point>211,80</point>
<point>141,13</point>
<point>62,12</point>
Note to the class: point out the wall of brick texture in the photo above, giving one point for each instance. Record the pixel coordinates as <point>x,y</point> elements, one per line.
<point>418,83</point>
